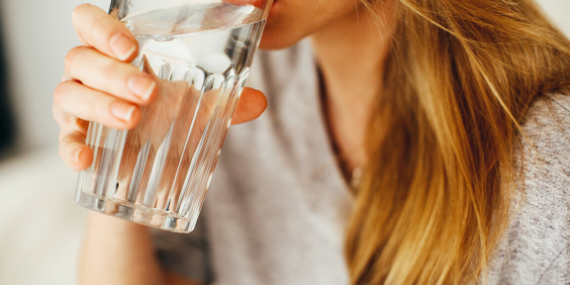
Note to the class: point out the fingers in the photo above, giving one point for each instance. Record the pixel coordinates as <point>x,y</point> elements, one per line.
<point>106,34</point>
<point>91,105</point>
<point>74,100</point>
<point>73,151</point>
<point>69,123</point>
<point>251,105</point>
<point>109,75</point>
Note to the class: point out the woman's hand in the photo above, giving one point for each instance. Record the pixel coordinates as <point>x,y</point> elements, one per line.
<point>100,85</point>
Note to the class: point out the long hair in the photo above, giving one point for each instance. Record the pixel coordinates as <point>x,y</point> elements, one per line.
<point>458,80</point>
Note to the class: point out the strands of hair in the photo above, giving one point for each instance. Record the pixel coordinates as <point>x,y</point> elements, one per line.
<point>458,81</point>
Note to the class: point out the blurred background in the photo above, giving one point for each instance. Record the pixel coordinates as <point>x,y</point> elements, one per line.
<point>40,226</point>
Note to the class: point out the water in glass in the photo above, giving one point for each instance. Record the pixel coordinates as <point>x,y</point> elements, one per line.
<point>157,174</point>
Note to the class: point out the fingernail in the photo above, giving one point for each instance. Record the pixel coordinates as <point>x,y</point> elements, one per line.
<point>122,46</point>
<point>141,86</point>
<point>77,154</point>
<point>123,111</point>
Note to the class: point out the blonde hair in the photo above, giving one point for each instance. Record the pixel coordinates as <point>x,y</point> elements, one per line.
<point>458,81</point>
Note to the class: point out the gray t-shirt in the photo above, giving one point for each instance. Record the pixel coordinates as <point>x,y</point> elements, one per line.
<point>278,206</point>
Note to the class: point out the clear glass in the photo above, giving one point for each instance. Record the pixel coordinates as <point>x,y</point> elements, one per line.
<point>200,52</point>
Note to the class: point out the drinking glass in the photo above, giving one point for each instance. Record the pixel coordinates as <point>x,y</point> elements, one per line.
<point>199,52</point>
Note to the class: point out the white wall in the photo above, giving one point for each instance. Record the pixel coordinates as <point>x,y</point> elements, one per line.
<point>559,10</point>
<point>38,34</point>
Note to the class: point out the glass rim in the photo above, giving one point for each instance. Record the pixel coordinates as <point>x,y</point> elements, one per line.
<point>122,8</point>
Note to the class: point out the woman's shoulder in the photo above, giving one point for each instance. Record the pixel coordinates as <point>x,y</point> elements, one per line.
<point>543,156</point>
<point>545,138</point>
<point>548,114</point>
<point>535,248</point>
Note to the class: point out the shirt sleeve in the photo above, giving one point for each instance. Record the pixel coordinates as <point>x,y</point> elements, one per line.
<point>185,255</point>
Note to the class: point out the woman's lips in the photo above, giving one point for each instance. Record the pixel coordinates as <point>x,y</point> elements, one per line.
<point>256,3</point>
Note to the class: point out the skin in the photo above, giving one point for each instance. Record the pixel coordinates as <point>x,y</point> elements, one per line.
<point>99,85</point>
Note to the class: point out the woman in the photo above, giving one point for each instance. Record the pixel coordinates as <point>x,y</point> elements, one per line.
<point>453,111</point>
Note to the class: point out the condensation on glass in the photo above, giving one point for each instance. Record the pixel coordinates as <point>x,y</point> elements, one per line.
<point>199,52</point>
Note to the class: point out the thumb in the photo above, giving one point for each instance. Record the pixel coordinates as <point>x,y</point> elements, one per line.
<point>250,106</point>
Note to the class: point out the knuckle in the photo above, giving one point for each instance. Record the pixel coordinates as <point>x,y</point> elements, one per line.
<point>71,56</point>
<point>111,70</point>
<point>58,93</point>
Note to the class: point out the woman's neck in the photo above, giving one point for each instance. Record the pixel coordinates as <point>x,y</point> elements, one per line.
<point>350,53</point>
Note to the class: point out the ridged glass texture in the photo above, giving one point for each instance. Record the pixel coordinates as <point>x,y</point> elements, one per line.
<point>158,173</point>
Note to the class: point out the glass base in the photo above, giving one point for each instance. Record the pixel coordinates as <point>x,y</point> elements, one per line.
<point>135,213</point>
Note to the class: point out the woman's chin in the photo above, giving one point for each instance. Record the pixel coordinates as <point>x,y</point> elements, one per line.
<point>272,41</point>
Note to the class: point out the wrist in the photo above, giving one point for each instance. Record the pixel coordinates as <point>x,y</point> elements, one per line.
<point>109,223</point>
